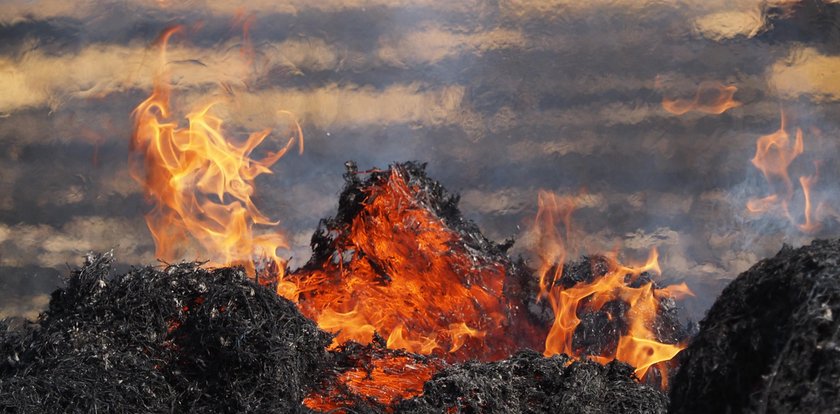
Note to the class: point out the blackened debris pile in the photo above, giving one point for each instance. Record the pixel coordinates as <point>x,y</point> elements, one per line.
<point>771,341</point>
<point>181,339</point>
<point>528,383</point>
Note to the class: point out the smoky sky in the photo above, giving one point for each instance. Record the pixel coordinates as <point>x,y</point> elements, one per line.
<point>501,99</point>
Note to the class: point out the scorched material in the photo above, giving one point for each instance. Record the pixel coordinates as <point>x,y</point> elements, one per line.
<point>771,341</point>
<point>530,383</point>
<point>181,339</point>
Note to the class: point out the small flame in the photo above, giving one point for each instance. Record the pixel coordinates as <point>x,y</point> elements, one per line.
<point>807,183</point>
<point>712,97</point>
<point>201,182</point>
<point>553,210</point>
<point>773,156</point>
<point>774,153</point>
<point>638,346</point>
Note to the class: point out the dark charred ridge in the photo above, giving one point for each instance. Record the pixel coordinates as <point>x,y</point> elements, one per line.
<point>528,380</point>
<point>178,339</point>
<point>430,194</point>
<point>58,33</point>
<point>769,342</point>
<point>347,24</point>
<point>362,29</point>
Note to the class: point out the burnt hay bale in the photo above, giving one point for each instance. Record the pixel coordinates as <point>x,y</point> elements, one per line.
<point>181,339</point>
<point>530,383</point>
<point>771,341</point>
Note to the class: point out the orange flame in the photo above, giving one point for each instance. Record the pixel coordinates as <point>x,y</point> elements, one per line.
<point>711,98</point>
<point>201,182</point>
<point>638,346</point>
<point>807,183</point>
<point>774,153</point>
<point>551,249</point>
<point>773,156</point>
<point>404,275</point>
<point>399,272</point>
<point>388,379</point>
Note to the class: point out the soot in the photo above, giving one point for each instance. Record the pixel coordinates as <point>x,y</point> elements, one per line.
<point>178,339</point>
<point>771,341</point>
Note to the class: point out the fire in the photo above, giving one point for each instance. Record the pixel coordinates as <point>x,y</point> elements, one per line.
<point>551,247</point>
<point>387,379</point>
<point>711,98</point>
<point>395,269</point>
<point>202,183</point>
<point>773,156</point>
<point>402,273</point>
<point>639,345</point>
<point>807,182</point>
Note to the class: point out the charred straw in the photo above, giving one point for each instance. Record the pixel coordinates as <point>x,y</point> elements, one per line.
<point>178,339</point>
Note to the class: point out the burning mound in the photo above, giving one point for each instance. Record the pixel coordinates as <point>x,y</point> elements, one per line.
<point>528,382</point>
<point>400,261</point>
<point>184,339</point>
<point>405,289</point>
<point>188,339</point>
<point>770,341</point>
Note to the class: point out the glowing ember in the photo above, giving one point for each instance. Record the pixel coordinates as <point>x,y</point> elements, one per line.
<point>202,183</point>
<point>711,98</point>
<point>386,380</point>
<point>399,270</point>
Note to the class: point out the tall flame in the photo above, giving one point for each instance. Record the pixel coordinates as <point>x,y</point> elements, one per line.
<point>201,182</point>
<point>553,210</point>
<point>639,345</point>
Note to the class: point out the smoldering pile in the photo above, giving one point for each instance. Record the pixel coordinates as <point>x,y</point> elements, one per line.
<point>559,384</point>
<point>429,245</point>
<point>182,338</point>
<point>178,339</point>
<point>771,341</point>
<point>187,339</point>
